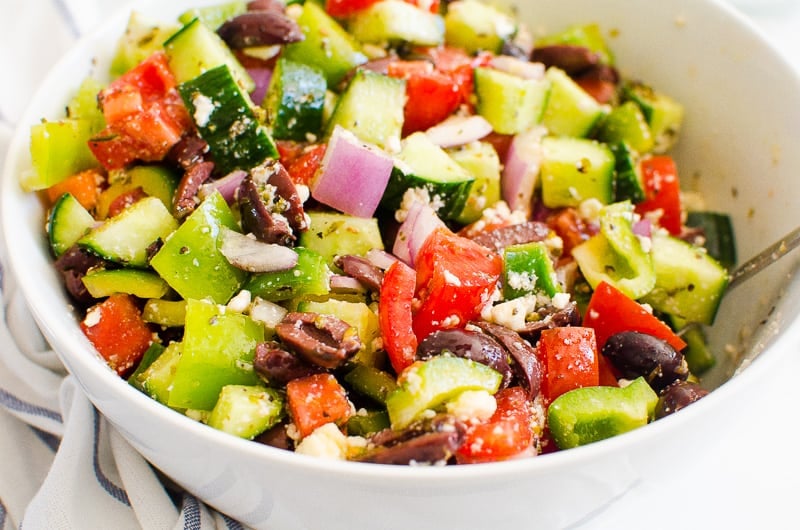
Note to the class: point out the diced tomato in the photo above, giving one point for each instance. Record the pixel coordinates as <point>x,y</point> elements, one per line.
<point>662,192</point>
<point>609,375</point>
<point>346,8</point>
<point>303,168</point>
<point>570,227</point>
<point>84,186</point>
<point>431,95</point>
<point>455,280</point>
<point>460,66</point>
<point>610,312</point>
<point>124,200</point>
<point>569,359</point>
<point>506,434</point>
<point>315,400</point>
<point>601,90</point>
<point>394,315</point>
<point>500,142</point>
<point>144,115</point>
<point>116,329</point>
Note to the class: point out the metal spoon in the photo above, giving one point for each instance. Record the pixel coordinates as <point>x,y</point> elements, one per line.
<point>766,257</point>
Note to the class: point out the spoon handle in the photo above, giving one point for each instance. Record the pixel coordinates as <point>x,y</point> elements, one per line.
<point>766,257</point>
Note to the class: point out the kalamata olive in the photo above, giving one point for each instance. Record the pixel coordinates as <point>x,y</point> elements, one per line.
<point>571,59</point>
<point>259,28</point>
<point>551,317</point>
<point>323,340</point>
<point>257,218</point>
<point>678,395</point>
<point>276,366</point>
<point>526,365</point>
<point>185,199</point>
<point>472,345</point>
<point>640,354</point>
<point>426,442</point>
<point>516,234</point>
<point>362,270</point>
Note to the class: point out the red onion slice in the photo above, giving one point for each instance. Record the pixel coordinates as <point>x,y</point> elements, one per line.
<point>380,258</point>
<point>420,222</point>
<point>459,130</point>
<point>227,186</point>
<point>261,78</point>
<point>353,175</point>
<point>251,255</point>
<point>522,169</point>
<point>346,284</point>
<point>518,67</point>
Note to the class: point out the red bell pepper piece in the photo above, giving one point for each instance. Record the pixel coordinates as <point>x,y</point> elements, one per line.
<point>394,315</point>
<point>315,400</point>
<point>117,331</point>
<point>662,192</point>
<point>610,312</point>
<point>569,359</point>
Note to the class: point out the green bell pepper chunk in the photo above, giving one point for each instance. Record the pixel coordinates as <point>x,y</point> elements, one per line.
<point>58,149</point>
<point>365,424</point>
<point>615,255</point>
<point>310,276</point>
<point>594,413</point>
<point>527,268</point>
<point>218,350</point>
<point>156,379</point>
<point>190,260</point>
<point>433,383</point>
<point>371,382</point>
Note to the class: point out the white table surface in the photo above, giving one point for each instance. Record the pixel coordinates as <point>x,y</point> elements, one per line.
<point>750,479</point>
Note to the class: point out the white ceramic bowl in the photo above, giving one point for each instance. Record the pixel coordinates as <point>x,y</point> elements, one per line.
<point>738,148</point>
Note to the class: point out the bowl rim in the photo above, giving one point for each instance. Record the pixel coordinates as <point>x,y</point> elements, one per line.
<point>75,350</point>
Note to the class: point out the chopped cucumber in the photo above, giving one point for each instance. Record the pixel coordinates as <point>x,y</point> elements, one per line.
<point>371,382</point>
<point>371,107</point>
<point>396,21</point>
<point>214,16</point>
<point>126,237</point>
<point>424,165</point>
<point>628,184</point>
<point>483,163</point>
<point>142,38</point>
<point>84,106</point>
<point>510,103</point>
<point>570,110</point>
<point>226,120</point>
<point>368,422</point>
<point>326,45</point>
<point>689,282</point>
<point>295,100</point>
<point>67,223</point>
<point>196,49</point>
<point>156,380</point>
<point>718,233</point>
<point>155,181</point>
<point>576,169</point>
<point>142,284</point>
<point>475,26</point>
<point>332,234</point>
<point>626,123</point>
<point>664,115</point>
<point>246,411</point>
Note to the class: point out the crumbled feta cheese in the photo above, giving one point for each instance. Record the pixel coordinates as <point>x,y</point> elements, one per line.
<point>512,314</point>
<point>303,192</point>
<point>589,210</point>
<point>560,300</point>
<point>451,278</point>
<point>92,317</point>
<point>266,312</point>
<point>204,107</point>
<point>416,195</point>
<point>522,281</point>
<point>328,441</point>
<point>473,405</point>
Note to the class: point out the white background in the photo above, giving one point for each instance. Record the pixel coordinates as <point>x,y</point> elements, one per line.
<point>750,479</point>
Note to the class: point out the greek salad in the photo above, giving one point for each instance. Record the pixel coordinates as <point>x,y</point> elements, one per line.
<point>387,231</point>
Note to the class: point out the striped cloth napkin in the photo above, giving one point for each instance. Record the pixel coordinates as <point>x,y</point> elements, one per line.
<point>63,465</point>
